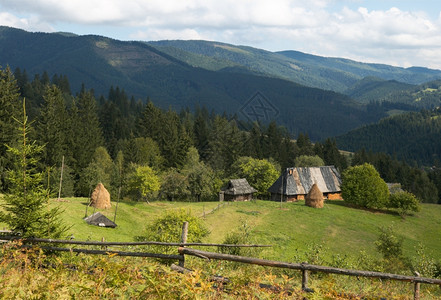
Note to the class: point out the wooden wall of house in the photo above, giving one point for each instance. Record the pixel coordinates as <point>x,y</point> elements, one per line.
<point>295,198</point>
<point>245,197</point>
<point>334,196</point>
<point>285,198</point>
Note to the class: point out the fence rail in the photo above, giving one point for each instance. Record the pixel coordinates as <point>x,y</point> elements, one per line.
<point>305,266</point>
<point>145,243</point>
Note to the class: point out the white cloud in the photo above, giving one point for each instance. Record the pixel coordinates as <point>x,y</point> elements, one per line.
<point>395,35</point>
<point>32,24</point>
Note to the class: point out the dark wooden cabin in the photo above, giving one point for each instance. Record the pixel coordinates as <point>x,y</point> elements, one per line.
<point>238,190</point>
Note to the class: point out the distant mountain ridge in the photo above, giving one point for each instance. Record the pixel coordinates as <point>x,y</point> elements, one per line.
<point>335,74</point>
<point>225,80</point>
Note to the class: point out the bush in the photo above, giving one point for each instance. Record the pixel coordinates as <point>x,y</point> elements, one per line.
<point>242,236</point>
<point>389,244</point>
<point>168,228</point>
<point>404,202</point>
<point>363,186</point>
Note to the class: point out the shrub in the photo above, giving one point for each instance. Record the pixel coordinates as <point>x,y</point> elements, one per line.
<point>423,263</point>
<point>404,202</point>
<point>389,244</point>
<point>363,186</point>
<point>168,227</point>
<point>241,236</point>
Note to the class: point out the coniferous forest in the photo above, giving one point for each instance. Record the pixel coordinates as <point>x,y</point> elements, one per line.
<point>188,155</point>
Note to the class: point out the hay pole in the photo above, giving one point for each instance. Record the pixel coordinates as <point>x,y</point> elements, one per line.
<point>97,243</point>
<point>61,178</point>
<point>117,201</point>
<point>305,266</point>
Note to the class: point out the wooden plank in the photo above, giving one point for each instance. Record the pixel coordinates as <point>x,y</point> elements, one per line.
<point>97,243</point>
<point>305,266</point>
<point>110,252</point>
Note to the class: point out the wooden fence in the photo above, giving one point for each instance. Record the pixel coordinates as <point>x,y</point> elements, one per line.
<point>183,250</point>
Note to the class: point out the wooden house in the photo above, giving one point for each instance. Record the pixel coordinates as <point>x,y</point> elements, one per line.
<point>295,183</point>
<point>238,190</point>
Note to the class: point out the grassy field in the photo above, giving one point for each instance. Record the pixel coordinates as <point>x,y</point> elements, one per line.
<point>131,218</point>
<point>291,229</point>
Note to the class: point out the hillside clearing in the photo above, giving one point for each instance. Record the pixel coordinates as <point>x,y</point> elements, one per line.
<point>294,229</point>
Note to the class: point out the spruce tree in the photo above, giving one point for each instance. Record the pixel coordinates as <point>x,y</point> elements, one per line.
<point>25,208</point>
<point>86,134</point>
<point>9,109</point>
<point>52,127</point>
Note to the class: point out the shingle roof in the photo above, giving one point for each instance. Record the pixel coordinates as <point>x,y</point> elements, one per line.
<point>238,187</point>
<point>299,180</point>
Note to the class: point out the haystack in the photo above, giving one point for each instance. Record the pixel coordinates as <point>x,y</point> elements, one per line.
<point>314,197</point>
<point>100,197</point>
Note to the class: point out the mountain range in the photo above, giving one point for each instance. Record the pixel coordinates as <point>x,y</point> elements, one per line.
<point>320,96</point>
<point>335,74</point>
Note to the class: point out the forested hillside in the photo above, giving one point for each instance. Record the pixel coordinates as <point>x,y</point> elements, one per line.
<point>424,96</point>
<point>228,85</point>
<point>114,139</point>
<point>109,138</point>
<point>315,71</point>
<point>412,137</point>
<point>371,89</point>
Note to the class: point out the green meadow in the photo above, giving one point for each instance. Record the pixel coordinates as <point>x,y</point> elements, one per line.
<point>290,228</point>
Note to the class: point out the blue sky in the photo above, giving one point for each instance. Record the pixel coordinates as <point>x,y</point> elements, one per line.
<point>401,33</point>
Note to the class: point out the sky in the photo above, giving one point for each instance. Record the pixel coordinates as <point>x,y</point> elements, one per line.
<point>396,32</point>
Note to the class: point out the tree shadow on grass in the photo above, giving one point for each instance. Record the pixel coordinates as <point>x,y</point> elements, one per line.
<point>371,210</point>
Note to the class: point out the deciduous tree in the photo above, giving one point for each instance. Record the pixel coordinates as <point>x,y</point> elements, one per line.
<point>363,186</point>
<point>143,182</point>
<point>260,173</point>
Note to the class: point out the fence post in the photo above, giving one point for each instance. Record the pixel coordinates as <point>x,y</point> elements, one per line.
<point>183,240</point>
<point>305,277</point>
<point>416,295</point>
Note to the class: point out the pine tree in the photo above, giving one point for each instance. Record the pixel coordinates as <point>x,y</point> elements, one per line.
<point>85,131</point>
<point>9,109</point>
<point>52,127</point>
<point>25,207</point>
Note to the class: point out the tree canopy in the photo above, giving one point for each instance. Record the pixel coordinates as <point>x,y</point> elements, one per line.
<point>363,186</point>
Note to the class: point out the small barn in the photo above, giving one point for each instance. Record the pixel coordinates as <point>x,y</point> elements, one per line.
<point>238,190</point>
<point>295,183</point>
<point>98,219</point>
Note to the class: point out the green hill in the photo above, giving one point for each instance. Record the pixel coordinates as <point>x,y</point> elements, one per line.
<point>414,136</point>
<point>335,74</point>
<point>143,71</point>
<point>427,95</point>
<point>221,77</point>
<point>292,230</point>
<point>376,89</point>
